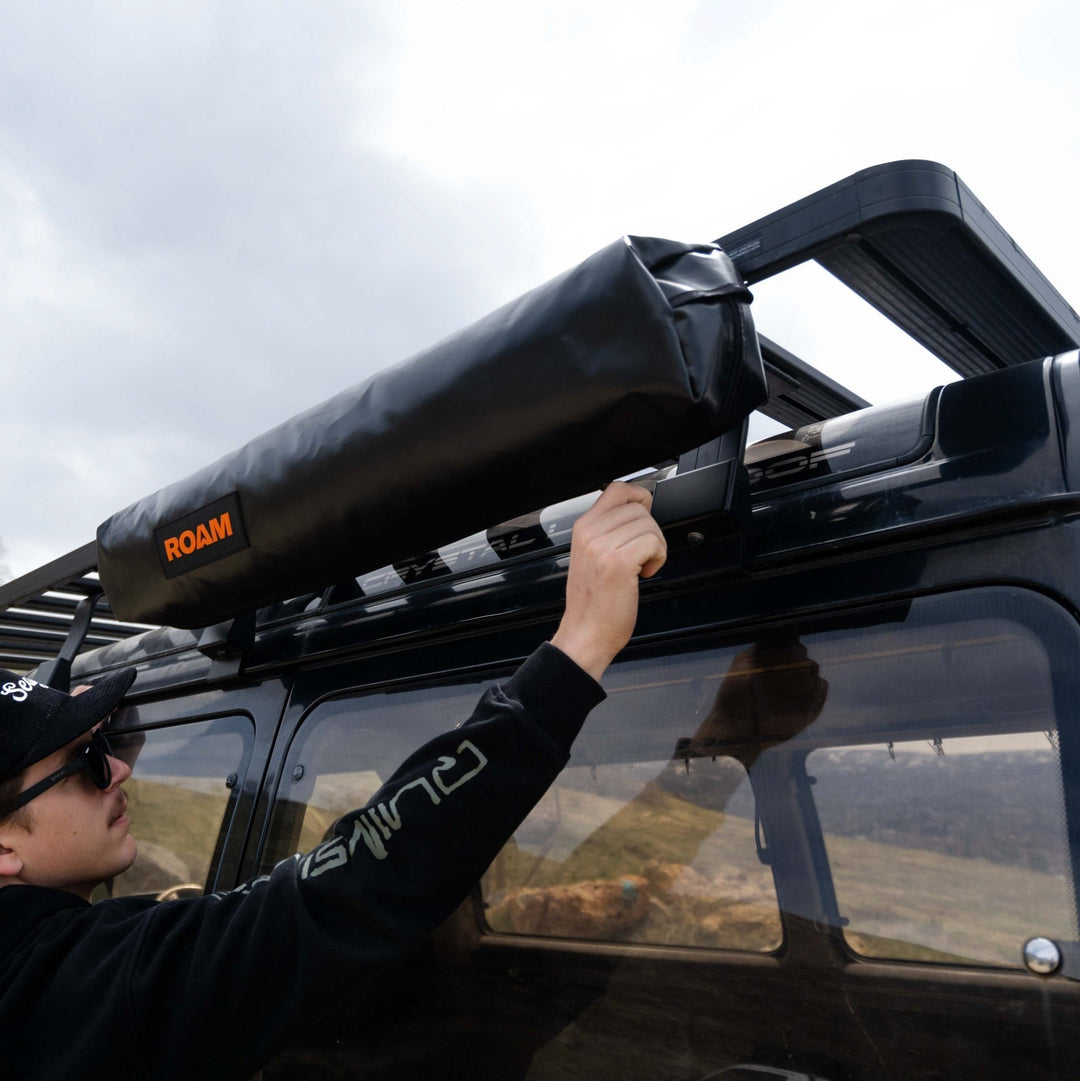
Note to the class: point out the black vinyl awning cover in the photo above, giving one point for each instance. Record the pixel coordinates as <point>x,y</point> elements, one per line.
<point>641,352</point>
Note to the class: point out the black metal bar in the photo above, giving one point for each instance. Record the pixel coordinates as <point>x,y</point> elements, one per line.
<point>65,605</point>
<point>51,641</point>
<point>911,240</point>
<point>108,632</point>
<point>13,637</point>
<point>52,576</point>
<point>798,393</point>
<point>20,661</point>
<point>56,603</point>
<point>57,672</point>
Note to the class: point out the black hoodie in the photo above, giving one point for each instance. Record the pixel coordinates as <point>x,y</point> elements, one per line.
<point>214,987</point>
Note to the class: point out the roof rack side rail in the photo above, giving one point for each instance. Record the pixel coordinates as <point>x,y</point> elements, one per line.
<point>911,239</point>
<point>69,568</point>
<point>798,393</point>
<point>69,571</point>
<point>45,633</point>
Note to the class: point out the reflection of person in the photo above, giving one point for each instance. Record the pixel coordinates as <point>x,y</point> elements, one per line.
<point>129,988</point>
<point>771,692</point>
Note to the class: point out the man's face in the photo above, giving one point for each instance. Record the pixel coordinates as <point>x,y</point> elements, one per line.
<point>73,835</point>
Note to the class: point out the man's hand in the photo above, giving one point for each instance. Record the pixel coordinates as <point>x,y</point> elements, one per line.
<point>771,692</point>
<point>615,543</point>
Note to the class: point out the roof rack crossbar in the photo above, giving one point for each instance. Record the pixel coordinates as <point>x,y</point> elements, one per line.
<point>798,393</point>
<point>57,672</point>
<point>29,617</point>
<point>48,615</point>
<point>65,571</point>
<point>50,602</point>
<point>911,239</point>
<point>18,660</point>
<point>63,608</point>
<point>49,641</point>
<point>10,638</point>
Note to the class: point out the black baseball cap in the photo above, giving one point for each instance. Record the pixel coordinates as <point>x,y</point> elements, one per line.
<point>36,720</point>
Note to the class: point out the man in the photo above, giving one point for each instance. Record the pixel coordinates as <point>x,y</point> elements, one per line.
<point>215,987</point>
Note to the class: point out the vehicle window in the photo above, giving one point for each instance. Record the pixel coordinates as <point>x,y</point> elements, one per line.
<point>950,850</point>
<point>629,844</point>
<point>896,773</point>
<point>938,777</point>
<point>344,751</point>
<point>648,835</point>
<point>908,788</point>
<point>178,797</point>
<point>896,782</point>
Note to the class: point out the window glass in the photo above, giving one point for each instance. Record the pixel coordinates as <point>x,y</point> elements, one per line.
<point>629,844</point>
<point>977,822</point>
<point>648,835</point>
<point>937,776</point>
<point>656,851</point>
<point>346,749</point>
<point>898,774</point>
<point>178,796</point>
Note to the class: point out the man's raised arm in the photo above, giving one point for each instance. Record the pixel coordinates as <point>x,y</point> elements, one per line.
<point>394,869</point>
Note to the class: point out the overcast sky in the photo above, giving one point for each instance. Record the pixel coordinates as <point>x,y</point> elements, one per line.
<point>213,215</point>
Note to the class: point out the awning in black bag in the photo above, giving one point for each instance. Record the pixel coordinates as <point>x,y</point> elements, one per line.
<point>641,352</point>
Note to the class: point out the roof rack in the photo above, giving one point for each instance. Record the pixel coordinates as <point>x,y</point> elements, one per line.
<point>908,237</point>
<point>798,393</point>
<point>912,240</point>
<point>50,614</point>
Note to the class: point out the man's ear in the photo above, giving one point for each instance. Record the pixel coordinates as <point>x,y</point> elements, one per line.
<point>11,864</point>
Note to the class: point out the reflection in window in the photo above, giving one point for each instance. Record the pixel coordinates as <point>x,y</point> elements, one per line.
<point>648,835</point>
<point>177,801</point>
<point>937,773</point>
<point>629,844</point>
<point>653,833</point>
<point>639,852</point>
<point>949,850</point>
<point>346,749</point>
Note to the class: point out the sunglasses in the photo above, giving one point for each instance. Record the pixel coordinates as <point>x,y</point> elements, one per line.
<point>92,757</point>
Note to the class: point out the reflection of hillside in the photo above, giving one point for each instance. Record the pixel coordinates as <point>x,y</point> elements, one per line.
<point>1002,806</point>
<point>659,869</point>
<point>335,794</point>
<point>176,826</point>
<point>931,903</point>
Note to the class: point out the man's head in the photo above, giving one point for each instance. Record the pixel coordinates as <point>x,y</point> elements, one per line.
<point>62,821</point>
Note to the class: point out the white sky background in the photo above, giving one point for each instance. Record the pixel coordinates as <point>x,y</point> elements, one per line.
<point>214,215</point>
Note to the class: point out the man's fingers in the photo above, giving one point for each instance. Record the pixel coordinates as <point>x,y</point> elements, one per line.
<point>639,541</point>
<point>619,492</point>
<point>613,518</point>
<point>622,530</point>
<point>653,565</point>
<point>614,542</point>
<point>649,555</point>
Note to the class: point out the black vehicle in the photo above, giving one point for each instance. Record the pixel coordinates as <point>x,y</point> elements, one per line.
<point>827,823</point>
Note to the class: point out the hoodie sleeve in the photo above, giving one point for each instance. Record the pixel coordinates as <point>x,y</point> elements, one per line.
<point>242,974</point>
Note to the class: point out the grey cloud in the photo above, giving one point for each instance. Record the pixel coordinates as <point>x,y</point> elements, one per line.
<point>237,253</point>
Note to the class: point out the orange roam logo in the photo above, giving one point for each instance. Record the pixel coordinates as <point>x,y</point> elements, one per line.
<point>191,540</point>
<point>201,536</point>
